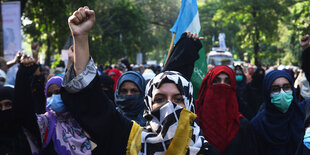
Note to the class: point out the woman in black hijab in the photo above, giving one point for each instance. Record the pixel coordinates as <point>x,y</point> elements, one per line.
<point>253,94</point>
<point>12,137</point>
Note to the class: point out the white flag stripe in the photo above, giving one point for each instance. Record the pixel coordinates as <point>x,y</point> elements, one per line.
<point>195,25</point>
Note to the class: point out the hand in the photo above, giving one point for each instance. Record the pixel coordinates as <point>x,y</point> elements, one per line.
<point>304,41</point>
<point>195,36</point>
<point>27,61</point>
<point>17,57</point>
<point>81,21</point>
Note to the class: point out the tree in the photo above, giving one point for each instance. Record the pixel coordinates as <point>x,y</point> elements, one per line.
<point>118,31</point>
<point>258,19</point>
<point>160,16</point>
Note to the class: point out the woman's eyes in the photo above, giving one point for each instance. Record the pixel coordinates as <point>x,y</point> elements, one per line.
<point>57,91</point>
<point>227,80</point>
<point>8,104</point>
<point>216,80</point>
<point>178,99</point>
<point>159,99</point>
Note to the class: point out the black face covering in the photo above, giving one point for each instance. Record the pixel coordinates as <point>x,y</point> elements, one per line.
<point>107,82</point>
<point>6,116</point>
<point>8,125</point>
<point>12,137</point>
<point>258,78</point>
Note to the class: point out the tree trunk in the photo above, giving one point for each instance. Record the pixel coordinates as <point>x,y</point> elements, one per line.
<point>48,52</point>
<point>255,37</point>
<point>256,47</point>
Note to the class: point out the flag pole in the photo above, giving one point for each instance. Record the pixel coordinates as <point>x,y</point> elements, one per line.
<point>170,49</point>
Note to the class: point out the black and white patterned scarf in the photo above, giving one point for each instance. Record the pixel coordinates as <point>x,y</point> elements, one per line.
<point>162,122</point>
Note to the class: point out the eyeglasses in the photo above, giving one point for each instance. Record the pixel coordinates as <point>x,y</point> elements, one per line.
<point>277,88</point>
<point>161,98</point>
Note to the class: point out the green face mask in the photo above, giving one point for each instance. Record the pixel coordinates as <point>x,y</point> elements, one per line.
<point>282,100</point>
<point>239,78</point>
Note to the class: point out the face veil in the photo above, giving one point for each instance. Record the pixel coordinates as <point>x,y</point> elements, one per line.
<point>162,123</point>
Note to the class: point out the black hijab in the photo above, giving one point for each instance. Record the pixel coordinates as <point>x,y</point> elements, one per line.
<point>107,82</point>
<point>12,138</point>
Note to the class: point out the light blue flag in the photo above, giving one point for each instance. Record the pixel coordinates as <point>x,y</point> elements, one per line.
<point>188,19</point>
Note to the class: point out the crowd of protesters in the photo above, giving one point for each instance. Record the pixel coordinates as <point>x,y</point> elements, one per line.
<point>82,108</point>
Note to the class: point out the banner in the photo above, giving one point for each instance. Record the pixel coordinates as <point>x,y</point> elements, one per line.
<point>11,24</point>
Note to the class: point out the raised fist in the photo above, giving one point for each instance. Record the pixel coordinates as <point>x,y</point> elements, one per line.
<point>27,61</point>
<point>81,21</point>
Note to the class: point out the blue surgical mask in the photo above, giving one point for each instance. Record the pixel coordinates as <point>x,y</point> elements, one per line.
<point>307,138</point>
<point>282,100</point>
<point>239,78</point>
<point>55,103</point>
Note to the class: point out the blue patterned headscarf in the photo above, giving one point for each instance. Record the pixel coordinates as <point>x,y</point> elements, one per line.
<point>131,106</point>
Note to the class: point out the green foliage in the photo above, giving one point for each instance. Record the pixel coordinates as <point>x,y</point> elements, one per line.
<point>262,30</point>
<point>117,32</point>
<point>160,16</point>
<point>57,58</point>
<point>49,22</point>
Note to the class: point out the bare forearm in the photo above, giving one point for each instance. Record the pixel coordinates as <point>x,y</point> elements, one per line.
<point>10,63</point>
<point>81,53</point>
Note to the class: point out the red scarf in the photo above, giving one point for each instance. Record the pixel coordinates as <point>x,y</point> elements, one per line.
<point>217,109</point>
<point>117,74</point>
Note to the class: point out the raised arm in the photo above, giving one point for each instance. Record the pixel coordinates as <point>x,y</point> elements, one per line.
<point>82,95</point>
<point>184,54</point>
<point>23,106</point>
<point>80,24</point>
<point>305,56</point>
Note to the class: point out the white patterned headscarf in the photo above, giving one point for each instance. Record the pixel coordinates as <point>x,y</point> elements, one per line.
<point>185,87</point>
<point>162,122</point>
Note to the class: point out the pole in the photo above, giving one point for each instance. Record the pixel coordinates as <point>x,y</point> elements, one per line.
<point>170,49</point>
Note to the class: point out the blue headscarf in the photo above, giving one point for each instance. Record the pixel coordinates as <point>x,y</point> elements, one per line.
<point>131,106</point>
<point>281,131</point>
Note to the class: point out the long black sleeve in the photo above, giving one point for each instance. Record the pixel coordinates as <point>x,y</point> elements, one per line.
<point>305,62</point>
<point>38,95</point>
<point>244,142</point>
<point>23,104</point>
<point>98,117</point>
<point>183,56</point>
